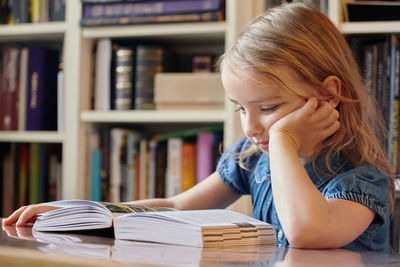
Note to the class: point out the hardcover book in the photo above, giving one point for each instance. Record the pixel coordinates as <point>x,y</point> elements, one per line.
<point>197,228</point>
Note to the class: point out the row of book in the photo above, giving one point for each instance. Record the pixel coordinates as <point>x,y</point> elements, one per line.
<point>31,91</point>
<point>29,174</point>
<point>125,165</point>
<point>96,13</point>
<point>125,72</point>
<point>31,11</point>
<point>379,59</point>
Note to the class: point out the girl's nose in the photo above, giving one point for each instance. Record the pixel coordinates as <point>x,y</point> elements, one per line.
<point>252,126</point>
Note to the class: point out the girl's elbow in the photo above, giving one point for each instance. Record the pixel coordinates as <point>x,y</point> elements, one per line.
<point>307,239</point>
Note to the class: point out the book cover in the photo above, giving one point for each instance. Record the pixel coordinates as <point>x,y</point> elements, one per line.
<point>23,175</point>
<point>9,88</point>
<point>42,89</point>
<point>132,152</point>
<point>56,10</point>
<point>135,9</point>
<point>161,168</point>
<point>123,77</point>
<point>144,168</point>
<point>20,11</point>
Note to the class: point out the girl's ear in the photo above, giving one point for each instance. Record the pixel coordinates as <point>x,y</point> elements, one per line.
<point>333,86</point>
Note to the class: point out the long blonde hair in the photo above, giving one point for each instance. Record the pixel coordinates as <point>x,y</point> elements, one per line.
<point>305,40</point>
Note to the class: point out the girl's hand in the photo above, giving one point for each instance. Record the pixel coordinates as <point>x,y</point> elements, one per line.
<point>307,126</point>
<point>26,214</point>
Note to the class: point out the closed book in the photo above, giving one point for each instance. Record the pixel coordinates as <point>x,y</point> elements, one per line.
<point>117,136</point>
<point>152,168</point>
<point>42,89</point>
<point>149,61</point>
<point>188,166</point>
<point>95,165</point>
<point>23,175</point>
<point>174,167</point>
<point>43,174</point>
<point>20,11</point>
<point>132,152</point>
<point>9,88</point>
<point>57,10</point>
<point>34,159</point>
<point>204,157</point>
<point>144,169</point>
<point>102,82</point>
<point>188,91</point>
<point>123,77</point>
<point>148,8</point>
<point>161,168</point>
<point>153,19</point>
<point>23,74</point>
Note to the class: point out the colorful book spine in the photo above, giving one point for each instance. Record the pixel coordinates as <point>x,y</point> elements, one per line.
<point>149,60</point>
<point>9,90</point>
<point>34,155</point>
<point>95,165</point>
<point>188,166</point>
<point>152,168</point>
<point>102,82</point>
<point>148,8</point>
<point>133,143</point>
<point>42,89</point>
<point>23,175</point>
<point>204,157</point>
<point>23,74</point>
<point>43,174</point>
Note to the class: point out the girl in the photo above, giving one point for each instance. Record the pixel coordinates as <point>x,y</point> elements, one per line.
<point>311,158</point>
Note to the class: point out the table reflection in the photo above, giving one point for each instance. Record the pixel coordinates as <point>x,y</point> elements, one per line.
<point>131,252</point>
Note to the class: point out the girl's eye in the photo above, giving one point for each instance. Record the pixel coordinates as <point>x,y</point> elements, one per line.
<point>269,109</point>
<point>240,108</point>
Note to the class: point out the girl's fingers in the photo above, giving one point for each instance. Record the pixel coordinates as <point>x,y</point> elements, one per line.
<point>14,216</point>
<point>30,214</point>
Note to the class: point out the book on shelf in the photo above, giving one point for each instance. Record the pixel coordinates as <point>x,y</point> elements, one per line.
<point>155,11</point>
<point>188,91</point>
<point>197,228</point>
<point>41,112</point>
<point>102,81</point>
<point>9,91</point>
<point>123,77</point>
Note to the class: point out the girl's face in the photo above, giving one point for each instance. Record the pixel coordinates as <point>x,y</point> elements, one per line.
<point>263,103</point>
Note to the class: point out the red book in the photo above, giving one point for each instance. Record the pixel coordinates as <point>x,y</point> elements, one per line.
<point>9,88</point>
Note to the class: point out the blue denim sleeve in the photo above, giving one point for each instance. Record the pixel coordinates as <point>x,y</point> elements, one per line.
<point>229,170</point>
<point>365,185</point>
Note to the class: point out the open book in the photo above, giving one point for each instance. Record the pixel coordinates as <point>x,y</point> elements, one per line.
<point>199,228</point>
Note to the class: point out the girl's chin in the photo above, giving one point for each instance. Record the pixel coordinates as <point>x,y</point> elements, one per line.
<point>263,147</point>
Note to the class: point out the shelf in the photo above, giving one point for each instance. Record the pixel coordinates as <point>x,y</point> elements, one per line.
<point>209,30</point>
<point>153,116</point>
<point>373,27</point>
<point>31,136</point>
<point>32,31</point>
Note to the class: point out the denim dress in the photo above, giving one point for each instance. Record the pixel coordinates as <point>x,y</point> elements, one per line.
<point>363,184</point>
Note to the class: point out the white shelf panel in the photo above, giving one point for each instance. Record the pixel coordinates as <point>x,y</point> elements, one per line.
<point>213,30</point>
<point>154,116</point>
<point>32,31</point>
<point>31,136</point>
<point>370,27</point>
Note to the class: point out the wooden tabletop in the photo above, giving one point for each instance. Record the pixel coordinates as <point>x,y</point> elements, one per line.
<point>22,247</point>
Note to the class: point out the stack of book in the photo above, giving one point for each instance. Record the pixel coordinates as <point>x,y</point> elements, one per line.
<point>95,13</point>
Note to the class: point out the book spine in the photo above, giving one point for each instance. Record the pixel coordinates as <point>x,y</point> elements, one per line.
<point>395,92</point>
<point>23,73</point>
<point>188,166</point>
<point>35,10</point>
<point>204,157</point>
<point>23,175</point>
<point>19,11</point>
<point>95,165</point>
<point>10,88</point>
<point>144,168</point>
<point>133,140</point>
<point>42,94</point>
<point>189,17</point>
<point>127,9</point>
<point>124,78</point>
<point>42,188</point>
<point>105,163</point>
<point>57,10</point>
<point>161,168</point>
<point>174,168</point>
<point>60,101</point>
<point>152,168</point>
<point>34,173</point>
<point>115,175</point>
<point>8,184</point>
<point>102,83</point>
<point>148,62</point>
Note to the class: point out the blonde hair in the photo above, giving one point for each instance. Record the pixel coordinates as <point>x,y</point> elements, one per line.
<point>305,40</point>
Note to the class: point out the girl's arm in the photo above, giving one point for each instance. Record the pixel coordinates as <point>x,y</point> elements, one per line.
<point>210,193</point>
<point>307,218</point>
